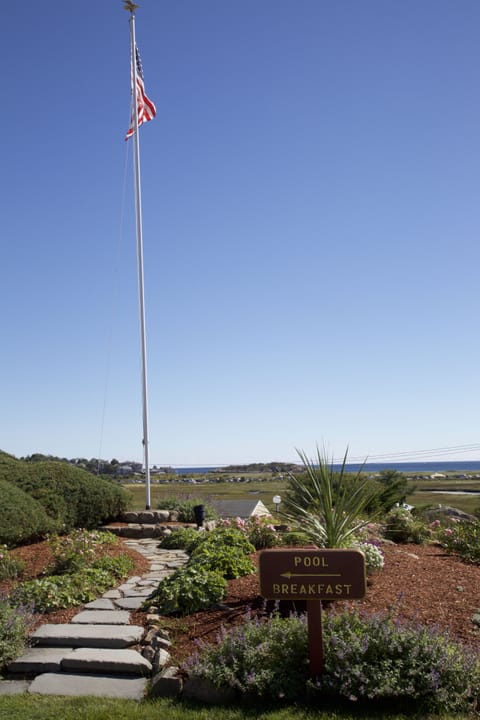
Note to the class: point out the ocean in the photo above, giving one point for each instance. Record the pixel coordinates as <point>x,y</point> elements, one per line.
<point>417,468</point>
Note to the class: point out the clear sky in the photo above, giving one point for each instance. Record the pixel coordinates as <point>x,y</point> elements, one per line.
<point>311,229</point>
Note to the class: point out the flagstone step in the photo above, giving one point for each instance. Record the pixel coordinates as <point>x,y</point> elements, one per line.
<point>13,687</point>
<point>101,617</point>
<point>128,688</point>
<point>39,660</point>
<point>106,662</point>
<point>99,636</point>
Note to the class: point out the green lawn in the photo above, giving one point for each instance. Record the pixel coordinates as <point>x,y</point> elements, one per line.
<point>35,707</point>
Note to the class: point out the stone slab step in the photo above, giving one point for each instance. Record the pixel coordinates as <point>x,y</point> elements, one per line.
<point>128,688</point>
<point>39,660</point>
<point>106,662</point>
<point>101,617</point>
<point>130,603</point>
<point>103,636</point>
<point>13,687</point>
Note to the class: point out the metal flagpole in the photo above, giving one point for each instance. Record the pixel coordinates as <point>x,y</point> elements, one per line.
<point>138,211</point>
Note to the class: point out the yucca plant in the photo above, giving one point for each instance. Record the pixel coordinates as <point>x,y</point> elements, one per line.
<point>328,506</point>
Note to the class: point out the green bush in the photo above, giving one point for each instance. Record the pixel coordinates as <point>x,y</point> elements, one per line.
<point>402,527</point>
<point>55,592</point>
<point>184,508</point>
<point>374,658</point>
<point>182,539</point>
<point>228,560</point>
<point>259,531</point>
<point>77,550</point>
<point>13,631</point>
<point>22,519</point>
<point>70,496</point>
<point>462,538</point>
<point>188,590</point>
<point>228,537</point>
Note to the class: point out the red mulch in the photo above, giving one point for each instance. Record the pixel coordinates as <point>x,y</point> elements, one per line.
<point>421,581</point>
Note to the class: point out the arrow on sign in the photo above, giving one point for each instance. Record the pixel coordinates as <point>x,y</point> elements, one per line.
<point>311,575</point>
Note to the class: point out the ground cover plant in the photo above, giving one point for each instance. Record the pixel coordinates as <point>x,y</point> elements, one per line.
<point>463,538</point>
<point>371,658</point>
<point>75,574</point>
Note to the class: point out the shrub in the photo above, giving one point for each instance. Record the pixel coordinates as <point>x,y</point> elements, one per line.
<point>10,567</point>
<point>184,508</point>
<point>402,527</point>
<point>182,538</point>
<point>372,658</point>
<point>22,519</point>
<point>13,631</point>
<point>188,590</point>
<point>228,537</point>
<point>76,550</point>
<point>374,559</point>
<point>259,531</point>
<point>69,495</point>
<point>380,657</point>
<point>268,659</point>
<point>228,560</point>
<point>463,538</point>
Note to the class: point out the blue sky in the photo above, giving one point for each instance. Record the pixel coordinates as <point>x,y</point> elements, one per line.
<point>311,223</point>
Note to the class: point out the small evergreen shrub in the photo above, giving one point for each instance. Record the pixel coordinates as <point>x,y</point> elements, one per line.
<point>372,658</point>
<point>14,623</point>
<point>23,519</point>
<point>10,567</point>
<point>188,590</point>
<point>228,537</point>
<point>70,496</point>
<point>402,527</point>
<point>462,538</point>
<point>182,539</point>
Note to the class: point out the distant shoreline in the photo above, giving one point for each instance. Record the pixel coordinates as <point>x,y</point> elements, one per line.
<point>420,468</point>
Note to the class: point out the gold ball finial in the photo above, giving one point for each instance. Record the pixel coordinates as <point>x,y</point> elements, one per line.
<point>130,6</point>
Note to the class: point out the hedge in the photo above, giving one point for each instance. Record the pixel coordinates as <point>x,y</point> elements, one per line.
<point>22,518</point>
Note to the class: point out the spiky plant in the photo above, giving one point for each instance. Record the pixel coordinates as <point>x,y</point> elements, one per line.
<point>327,505</point>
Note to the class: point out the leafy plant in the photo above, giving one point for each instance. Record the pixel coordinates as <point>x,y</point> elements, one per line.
<point>374,559</point>
<point>14,623</point>
<point>77,549</point>
<point>23,518</point>
<point>55,592</point>
<point>258,530</point>
<point>188,590</point>
<point>228,560</point>
<point>182,538</point>
<point>10,567</point>
<point>267,659</point>
<point>371,658</point>
<point>463,538</point>
<point>327,506</point>
<point>402,527</point>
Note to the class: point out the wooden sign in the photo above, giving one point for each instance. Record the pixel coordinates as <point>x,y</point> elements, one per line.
<point>312,575</point>
<point>319,574</point>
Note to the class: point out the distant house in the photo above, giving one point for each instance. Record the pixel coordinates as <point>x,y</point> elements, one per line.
<point>240,508</point>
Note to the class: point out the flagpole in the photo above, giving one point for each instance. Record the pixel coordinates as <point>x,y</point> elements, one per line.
<point>141,293</point>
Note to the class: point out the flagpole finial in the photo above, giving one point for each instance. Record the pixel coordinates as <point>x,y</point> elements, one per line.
<point>130,6</point>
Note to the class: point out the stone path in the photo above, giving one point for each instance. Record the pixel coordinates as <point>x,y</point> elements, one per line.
<point>97,653</point>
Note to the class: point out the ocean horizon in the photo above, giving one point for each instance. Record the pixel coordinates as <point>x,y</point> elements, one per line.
<point>420,468</point>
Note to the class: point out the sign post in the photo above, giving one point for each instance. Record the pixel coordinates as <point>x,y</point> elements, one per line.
<point>312,575</point>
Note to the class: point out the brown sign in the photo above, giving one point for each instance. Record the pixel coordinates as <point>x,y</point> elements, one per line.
<point>320,574</point>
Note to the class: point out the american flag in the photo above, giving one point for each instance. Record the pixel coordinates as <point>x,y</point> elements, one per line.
<point>145,108</point>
